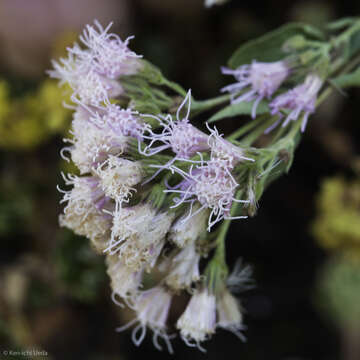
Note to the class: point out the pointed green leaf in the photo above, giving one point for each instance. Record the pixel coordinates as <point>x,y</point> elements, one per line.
<point>354,43</point>
<point>348,80</point>
<point>269,47</point>
<point>342,23</point>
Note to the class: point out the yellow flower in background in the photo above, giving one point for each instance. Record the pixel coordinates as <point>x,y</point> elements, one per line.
<point>4,102</point>
<point>30,120</point>
<point>337,226</point>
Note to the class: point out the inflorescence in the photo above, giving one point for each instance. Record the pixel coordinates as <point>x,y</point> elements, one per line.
<point>152,190</point>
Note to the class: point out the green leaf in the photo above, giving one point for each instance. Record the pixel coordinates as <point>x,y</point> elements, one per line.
<point>347,80</point>
<point>152,73</point>
<point>269,47</point>
<point>341,24</point>
<point>243,108</point>
<point>354,43</point>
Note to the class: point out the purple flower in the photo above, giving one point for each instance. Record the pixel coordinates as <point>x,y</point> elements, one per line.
<point>93,72</point>
<point>212,185</point>
<point>184,139</point>
<point>301,98</point>
<point>263,79</point>
<point>111,56</point>
<point>224,151</point>
<point>124,122</point>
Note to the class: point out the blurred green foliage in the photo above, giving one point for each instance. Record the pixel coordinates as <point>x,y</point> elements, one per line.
<point>79,269</point>
<point>337,230</point>
<point>337,226</point>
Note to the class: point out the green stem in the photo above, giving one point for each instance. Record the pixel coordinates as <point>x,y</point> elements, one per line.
<point>350,66</point>
<point>220,241</point>
<point>252,137</point>
<point>203,105</point>
<point>345,36</point>
<point>174,86</point>
<point>244,129</point>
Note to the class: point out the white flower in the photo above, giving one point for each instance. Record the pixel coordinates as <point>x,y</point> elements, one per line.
<point>111,55</point>
<point>184,232</point>
<point>138,235</point>
<point>152,308</point>
<point>122,121</point>
<point>118,176</point>
<point>240,278</point>
<point>128,223</point>
<point>124,280</point>
<point>91,88</point>
<point>229,314</point>
<point>95,225</point>
<point>91,144</point>
<point>198,322</point>
<point>153,240</point>
<point>223,151</point>
<point>184,268</point>
<point>84,210</point>
<point>66,70</point>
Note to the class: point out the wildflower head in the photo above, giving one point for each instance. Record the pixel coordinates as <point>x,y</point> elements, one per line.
<point>138,235</point>
<point>118,176</point>
<point>180,136</point>
<point>66,70</point>
<point>185,232</point>
<point>212,185</point>
<point>184,269</point>
<point>229,314</point>
<point>124,122</point>
<point>124,281</point>
<point>84,210</point>
<point>92,144</point>
<point>224,151</point>
<point>261,79</point>
<point>301,99</point>
<point>91,88</point>
<point>128,224</point>
<point>111,56</point>
<point>240,278</point>
<point>152,308</point>
<point>92,72</point>
<point>198,322</point>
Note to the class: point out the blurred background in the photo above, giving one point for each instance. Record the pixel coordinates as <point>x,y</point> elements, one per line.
<point>304,244</point>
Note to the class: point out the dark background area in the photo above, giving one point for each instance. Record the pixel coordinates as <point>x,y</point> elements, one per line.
<point>189,43</point>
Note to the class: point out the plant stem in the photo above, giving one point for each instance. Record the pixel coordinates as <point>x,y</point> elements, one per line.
<point>220,241</point>
<point>174,86</point>
<point>203,105</point>
<point>244,129</point>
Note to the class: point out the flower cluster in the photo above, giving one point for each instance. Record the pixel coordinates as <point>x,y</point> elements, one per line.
<point>261,80</point>
<point>155,194</point>
<point>92,72</point>
<point>139,219</point>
